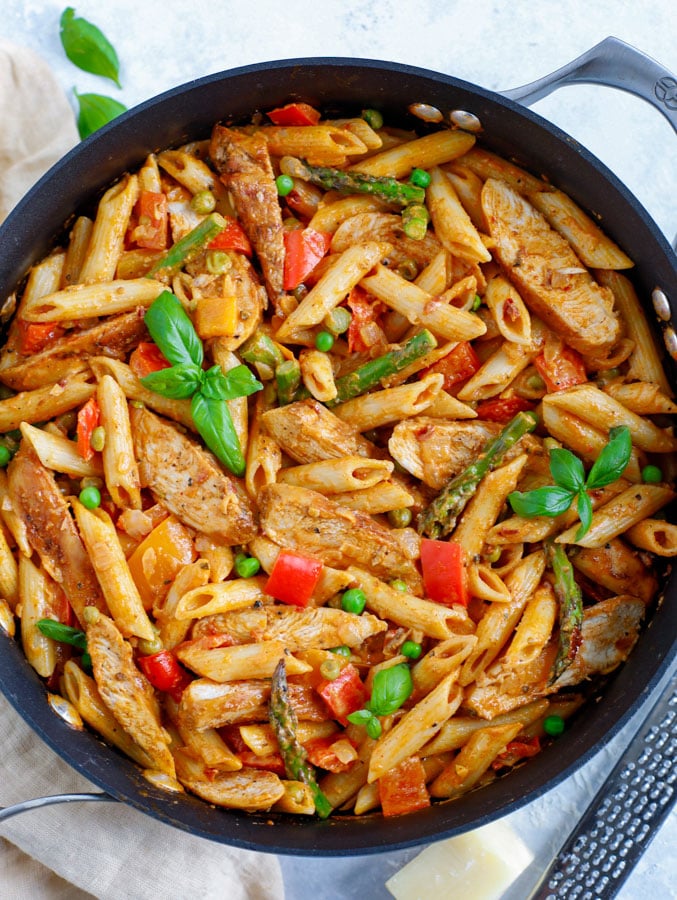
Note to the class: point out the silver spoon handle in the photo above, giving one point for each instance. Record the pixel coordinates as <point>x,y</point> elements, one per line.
<point>613,63</point>
<point>7,812</point>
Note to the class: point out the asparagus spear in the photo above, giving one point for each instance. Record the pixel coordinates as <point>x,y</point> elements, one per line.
<point>288,377</point>
<point>391,190</point>
<point>570,608</point>
<point>440,517</point>
<point>189,245</point>
<point>260,350</point>
<point>283,719</point>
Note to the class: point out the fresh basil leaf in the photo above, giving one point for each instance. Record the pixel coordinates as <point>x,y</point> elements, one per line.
<point>391,688</point>
<point>544,501</point>
<point>611,462</point>
<point>172,330</point>
<point>360,717</point>
<point>88,48</point>
<point>584,507</point>
<point>177,382</point>
<point>213,420</point>
<point>64,633</point>
<point>241,382</point>
<point>567,469</point>
<point>215,386</point>
<point>95,111</point>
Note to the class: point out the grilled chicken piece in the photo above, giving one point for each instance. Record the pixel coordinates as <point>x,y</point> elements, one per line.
<point>115,337</point>
<point>126,692</point>
<point>298,629</point>
<point>381,226</point>
<point>436,450</point>
<point>250,789</point>
<point>189,481</point>
<point>545,269</point>
<point>244,164</point>
<point>306,521</point>
<point>51,531</point>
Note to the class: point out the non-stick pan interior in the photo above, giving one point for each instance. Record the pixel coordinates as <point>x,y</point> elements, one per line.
<point>345,87</point>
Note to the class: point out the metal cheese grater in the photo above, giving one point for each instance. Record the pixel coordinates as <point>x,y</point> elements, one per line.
<point>625,814</point>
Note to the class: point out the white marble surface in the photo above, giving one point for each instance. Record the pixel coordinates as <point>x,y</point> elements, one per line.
<point>162,43</point>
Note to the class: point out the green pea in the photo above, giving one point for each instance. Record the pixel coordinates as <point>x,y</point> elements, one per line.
<point>343,650</point>
<point>5,456</point>
<point>400,518</point>
<point>373,118</point>
<point>477,302</point>
<point>408,269</point>
<point>553,725</point>
<point>420,178</point>
<point>354,601</point>
<point>411,649</point>
<point>90,497</point>
<point>535,383</point>
<point>246,566</point>
<point>399,585</point>
<point>284,185</point>
<point>218,262</point>
<point>98,438</point>
<point>330,669</point>
<point>203,202</point>
<point>324,341</point>
<point>652,475</point>
<point>374,728</point>
<point>337,321</point>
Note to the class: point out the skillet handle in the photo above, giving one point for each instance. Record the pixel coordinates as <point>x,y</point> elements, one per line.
<point>613,63</point>
<point>7,812</point>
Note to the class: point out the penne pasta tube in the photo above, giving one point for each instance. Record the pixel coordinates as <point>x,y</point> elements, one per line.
<point>433,619</point>
<point>592,405</point>
<point>12,521</point>
<point>43,279</point>
<point>240,662</point>
<point>440,662</point>
<point>56,452</point>
<point>76,252</point>
<point>420,308</point>
<point>391,404</point>
<point>264,457</point>
<point>333,476</point>
<point>37,600</point>
<point>415,728</point>
<point>436,277</point>
<point>317,375</point>
<point>119,462</point>
<point>119,590</point>
<point>82,301</point>
<point>496,373</point>
<point>107,238</point>
<point>642,397</point>
<point>445,406</point>
<point>654,535</point>
<point>474,759</point>
<point>468,187</point>
<point>46,402</point>
<point>319,145</point>
<point>188,578</point>
<point>9,574</point>
<point>189,170</point>
<point>224,596</point>
<point>329,216</point>
<point>297,798</point>
<point>486,164</point>
<point>381,498</point>
<point>431,150</point>
<point>456,731</point>
<point>452,223</point>
<point>534,629</point>
<point>333,287</point>
<point>486,584</point>
<point>625,510</point>
<point>219,557</point>
<point>507,307</point>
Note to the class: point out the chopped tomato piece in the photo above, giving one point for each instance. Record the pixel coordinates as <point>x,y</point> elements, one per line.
<point>304,248</point>
<point>345,694</point>
<point>88,420</point>
<point>502,409</point>
<point>272,762</point>
<point>151,213</point>
<point>147,358</point>
<point>364,331</point>
<point>294,114</point>
<point>560,366</point>
<point>293,578</point>
<point>164,673</point>
<point>522,748</point>
<point>444,573</point>
<point>456,366</point>
<point>403,789</point>
<point>37,336</point>
<point>320,754</point>
<point>233,237</point>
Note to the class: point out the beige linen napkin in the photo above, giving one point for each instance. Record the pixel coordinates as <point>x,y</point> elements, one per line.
<point>107,850</point>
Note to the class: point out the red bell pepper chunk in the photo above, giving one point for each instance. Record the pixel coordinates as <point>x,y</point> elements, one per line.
<point>345,694</point>
<point>233,237</point>
<point>272,762</point>
<point>320,753</point>
<point>293,578</point>
<point>37,336</point>
<point>502,409</point>
<point>444,573</point>
<point>560,366</point>
<point>294,114</point>
<point>147,358</point>
<point>304,248</point>
<point>364,331</point>
<point>88,420</point>
<point>458,365</point>
<point>164,673</point>
<point>152,221</point>
<point>403,788</point>
<point>522,748</point>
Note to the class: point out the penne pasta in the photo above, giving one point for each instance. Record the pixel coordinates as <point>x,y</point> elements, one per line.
<point>452,224</point>
<point>431,150</point>
<point>333,476</point>
<point>119,463</point>
<point>107,237</point>
<point>391,404</point>
<point>98,299</point>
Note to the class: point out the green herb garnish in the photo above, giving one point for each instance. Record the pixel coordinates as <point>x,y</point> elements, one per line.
<point>95,111</point>
<point>391,688</point>
<point>571,483</point>
<point>88,48</point>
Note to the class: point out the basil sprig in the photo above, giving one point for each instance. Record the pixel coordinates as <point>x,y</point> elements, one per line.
<point>571,483</point>
<point>391,688</point>
<point>172,330</point>
<point>66,634</point>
